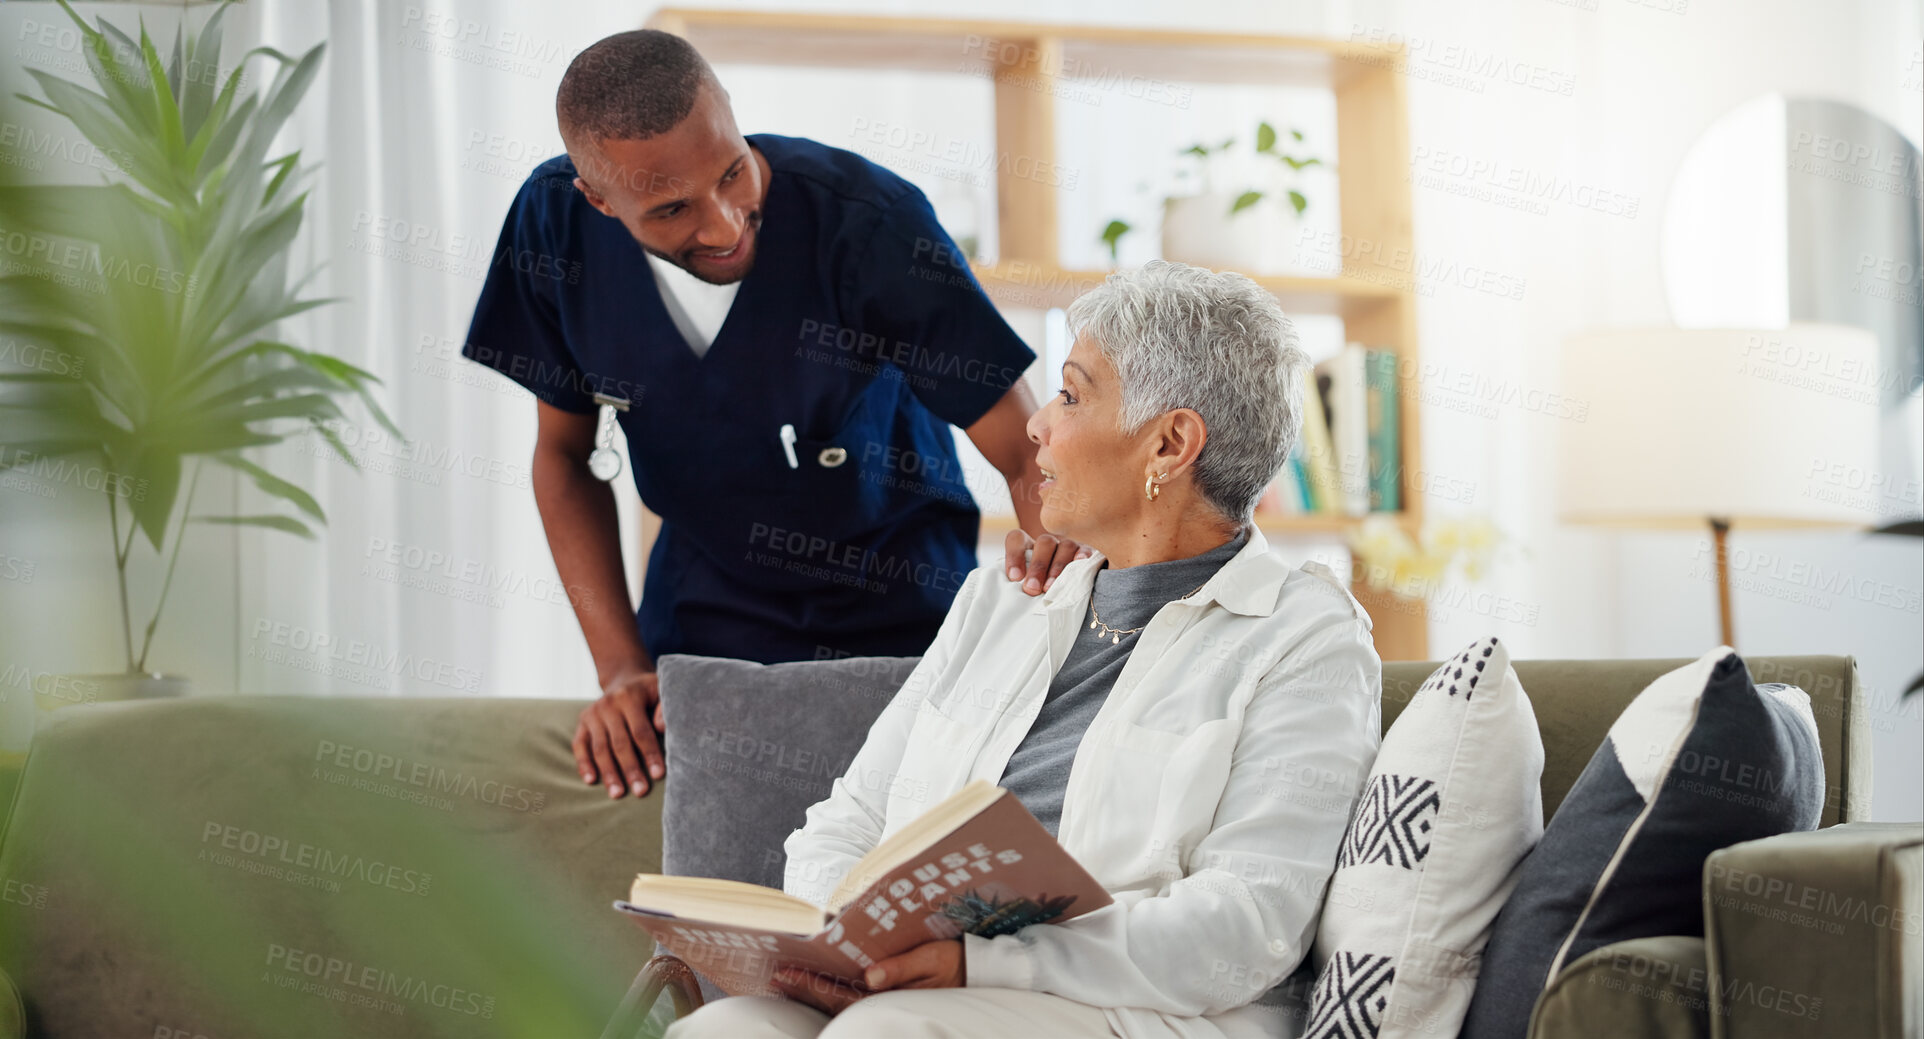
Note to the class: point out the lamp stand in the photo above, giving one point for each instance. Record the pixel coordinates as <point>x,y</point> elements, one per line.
<point>1719,533</point>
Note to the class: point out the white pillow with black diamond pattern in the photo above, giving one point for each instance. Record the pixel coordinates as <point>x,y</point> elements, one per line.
<point>1451,808</point>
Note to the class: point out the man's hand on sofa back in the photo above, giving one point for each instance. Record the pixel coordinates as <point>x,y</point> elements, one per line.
<point>616,735</point>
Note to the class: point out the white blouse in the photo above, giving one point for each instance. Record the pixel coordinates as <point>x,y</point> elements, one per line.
<point>1208,796</point>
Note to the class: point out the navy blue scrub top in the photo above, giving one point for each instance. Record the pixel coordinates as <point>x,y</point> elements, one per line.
<point>859,325</point>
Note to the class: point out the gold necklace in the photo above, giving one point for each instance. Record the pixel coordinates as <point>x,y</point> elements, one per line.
<point>1114,635</point>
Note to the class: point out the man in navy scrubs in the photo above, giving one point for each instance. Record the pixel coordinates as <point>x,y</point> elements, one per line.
<point>785,335</point>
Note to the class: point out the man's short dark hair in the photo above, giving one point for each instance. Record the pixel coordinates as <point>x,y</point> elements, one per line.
<point>630,86</point>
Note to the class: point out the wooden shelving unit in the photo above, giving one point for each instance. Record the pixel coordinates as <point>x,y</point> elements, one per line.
<point>1021,283</point>
<point>1026,60</point>
<point>1287,526</point>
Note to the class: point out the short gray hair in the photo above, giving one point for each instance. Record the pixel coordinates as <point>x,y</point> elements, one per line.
<point>1216,342</point>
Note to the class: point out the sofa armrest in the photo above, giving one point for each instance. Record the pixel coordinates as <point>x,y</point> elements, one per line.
<point>173,854</point>
<point>663,971</point>
<point>1651,988</point>
<point>1817,934</point>
<point>13,1016</point>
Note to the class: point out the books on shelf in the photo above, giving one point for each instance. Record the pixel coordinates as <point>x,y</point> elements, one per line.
<point>1295,482</point>
<point>1299,479</point>
<point>976,863</point>
<point>1348,460</point>
<point>1383,406</point>
<point>1319,454</point>
<point>1347,407</point>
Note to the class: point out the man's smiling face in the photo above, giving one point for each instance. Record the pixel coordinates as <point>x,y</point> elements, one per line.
<point>692,196</point>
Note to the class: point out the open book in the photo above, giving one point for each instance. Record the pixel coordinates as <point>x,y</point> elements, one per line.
<point>976,863</point>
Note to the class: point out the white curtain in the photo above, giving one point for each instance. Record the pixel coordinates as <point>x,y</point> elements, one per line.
<point>433,576</point>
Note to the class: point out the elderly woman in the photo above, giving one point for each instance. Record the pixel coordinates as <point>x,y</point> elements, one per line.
<point>1192,717</point>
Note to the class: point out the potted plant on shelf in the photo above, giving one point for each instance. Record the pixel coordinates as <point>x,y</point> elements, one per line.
<point>161,287</point>
<point>1207,222</point>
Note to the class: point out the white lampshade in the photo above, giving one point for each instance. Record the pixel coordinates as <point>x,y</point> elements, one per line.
<point>1761,428</point>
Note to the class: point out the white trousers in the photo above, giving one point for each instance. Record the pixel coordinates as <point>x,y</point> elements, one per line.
<point>936,1013</point>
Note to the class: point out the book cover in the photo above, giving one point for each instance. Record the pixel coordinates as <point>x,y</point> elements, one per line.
<point>1299,477</point>
<point>1319,454</point>
<point>1385,442</point>
<point>1348,405</point>
<point>994,873</point>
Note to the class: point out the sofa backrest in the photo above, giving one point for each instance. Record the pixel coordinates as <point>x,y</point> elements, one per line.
<point>1577,700</point>
<point>757,744</point>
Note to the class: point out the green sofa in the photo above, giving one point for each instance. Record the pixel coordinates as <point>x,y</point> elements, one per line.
<point>283,866</point>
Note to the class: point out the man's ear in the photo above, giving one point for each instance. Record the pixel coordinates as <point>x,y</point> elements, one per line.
<point>595,200</point>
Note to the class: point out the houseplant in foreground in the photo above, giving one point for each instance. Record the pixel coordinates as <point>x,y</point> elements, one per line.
<point>239,907</point>
<point>161,288</point>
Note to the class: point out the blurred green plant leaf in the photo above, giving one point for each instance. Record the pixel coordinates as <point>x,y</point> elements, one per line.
<point>274,485</point>
<point>287,524</point>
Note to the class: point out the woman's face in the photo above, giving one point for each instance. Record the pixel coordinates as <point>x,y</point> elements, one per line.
<point>1092,472</point>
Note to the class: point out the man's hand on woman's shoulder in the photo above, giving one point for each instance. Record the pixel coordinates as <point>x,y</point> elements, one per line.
<point>1037,562</point>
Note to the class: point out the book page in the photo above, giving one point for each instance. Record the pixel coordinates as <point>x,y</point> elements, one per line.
<point>728,902</point>
<point>938,822</point>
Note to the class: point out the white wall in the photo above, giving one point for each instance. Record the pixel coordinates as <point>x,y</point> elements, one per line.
<point>1609,97</point>
<point>1647,80</point>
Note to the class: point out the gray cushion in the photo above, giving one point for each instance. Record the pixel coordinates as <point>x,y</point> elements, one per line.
<point>751,746</point>
<point>1702,759</point>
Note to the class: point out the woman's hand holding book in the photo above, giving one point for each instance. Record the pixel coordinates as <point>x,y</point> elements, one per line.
<point>937,964</point>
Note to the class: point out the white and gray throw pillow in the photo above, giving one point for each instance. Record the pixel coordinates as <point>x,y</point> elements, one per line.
<point>1452,806</point>
<point>1700,760</point>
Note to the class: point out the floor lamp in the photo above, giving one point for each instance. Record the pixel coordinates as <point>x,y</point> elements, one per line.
<point>1672,429</point>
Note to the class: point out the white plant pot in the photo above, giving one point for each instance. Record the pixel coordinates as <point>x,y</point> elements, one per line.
<point>22,716</point>
<point>1199,229</point>
<point>68,690</point>
<point>53,693</point>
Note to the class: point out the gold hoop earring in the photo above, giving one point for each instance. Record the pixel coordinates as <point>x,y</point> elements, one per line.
<point>1150,489</point>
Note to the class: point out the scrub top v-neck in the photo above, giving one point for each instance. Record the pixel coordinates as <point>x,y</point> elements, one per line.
<point>697,308</point>
<point>859,326</point>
